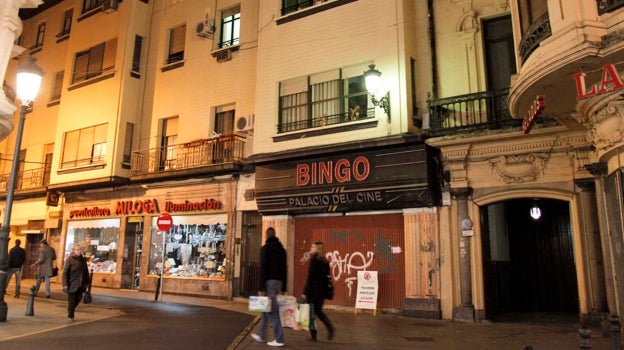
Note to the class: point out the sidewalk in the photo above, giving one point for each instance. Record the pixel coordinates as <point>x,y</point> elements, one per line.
<point>362,331</point>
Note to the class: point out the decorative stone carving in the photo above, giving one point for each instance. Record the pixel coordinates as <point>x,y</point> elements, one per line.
<point>519,168</point>
<point>468,22</point>
<point>607,127</point>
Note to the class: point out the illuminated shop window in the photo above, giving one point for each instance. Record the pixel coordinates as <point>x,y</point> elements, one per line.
<point>194,247</point>
<point>99,240</point>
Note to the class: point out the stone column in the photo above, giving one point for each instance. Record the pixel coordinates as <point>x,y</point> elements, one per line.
<point>593,250</point>
<point>284,226</point>
<point>465,311</point>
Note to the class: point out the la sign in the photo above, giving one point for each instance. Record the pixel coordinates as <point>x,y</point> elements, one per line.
<point>610,81</point>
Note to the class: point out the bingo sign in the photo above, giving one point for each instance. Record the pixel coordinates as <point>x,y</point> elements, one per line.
<point>367,290</point>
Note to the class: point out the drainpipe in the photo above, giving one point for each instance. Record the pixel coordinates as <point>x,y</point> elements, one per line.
<point>432,45</point>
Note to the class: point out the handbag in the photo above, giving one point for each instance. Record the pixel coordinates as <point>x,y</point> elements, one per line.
<point>55,271</point>
<point>87,298</point>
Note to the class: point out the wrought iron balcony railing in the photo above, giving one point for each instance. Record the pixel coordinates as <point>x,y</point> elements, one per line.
<point>534,35</point>
<point>27,180</point>
<point>478,111</point>
<point>605,6</point>
<point>326,120</point>
<point>194,154</point>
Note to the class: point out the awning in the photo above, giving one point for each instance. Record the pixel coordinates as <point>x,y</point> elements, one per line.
<point>196,219</point>
<point>96,223</point>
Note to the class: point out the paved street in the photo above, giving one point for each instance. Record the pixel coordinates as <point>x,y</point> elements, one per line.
<point>132,320</point>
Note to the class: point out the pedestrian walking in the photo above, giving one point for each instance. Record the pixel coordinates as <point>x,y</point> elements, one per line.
<point>317,287</point>
<point>47,255</point>
<point>75,279</point>
<point>272,282</point>
<point>17,256</point>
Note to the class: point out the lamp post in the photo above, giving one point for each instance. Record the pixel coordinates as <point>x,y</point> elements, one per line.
<point>28,82</point>
<point>372,78</point>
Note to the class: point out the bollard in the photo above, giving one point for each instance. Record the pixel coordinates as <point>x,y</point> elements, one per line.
<point>585,334</point>
<point>30,305</point>
<point>614,330</point>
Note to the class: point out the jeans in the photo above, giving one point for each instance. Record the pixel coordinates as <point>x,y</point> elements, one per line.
<point>73,299</point>
<point>47,285</point>
<point>17,271</point>
<point>273,288</point>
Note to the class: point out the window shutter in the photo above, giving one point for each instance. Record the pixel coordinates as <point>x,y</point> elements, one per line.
<point>96,57</point>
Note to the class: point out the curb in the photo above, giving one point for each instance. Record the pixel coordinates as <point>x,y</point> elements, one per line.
<point>243,334</point>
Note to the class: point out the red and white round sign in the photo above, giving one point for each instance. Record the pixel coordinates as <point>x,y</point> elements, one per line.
<point>164,222</point>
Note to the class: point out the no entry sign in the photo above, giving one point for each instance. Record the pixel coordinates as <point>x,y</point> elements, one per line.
<point>164,222</point>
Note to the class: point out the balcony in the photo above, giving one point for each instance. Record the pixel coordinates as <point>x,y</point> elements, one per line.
<point>471,112</point>
<point>535,34</point>
<point>28,180</point>
<point>204,156</point>
<point>605,6</point>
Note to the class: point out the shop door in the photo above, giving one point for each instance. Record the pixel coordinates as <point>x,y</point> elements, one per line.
<point>133,247</point>
<point>251,243</point>
<point>528,263</point>
<point>32,255</point>
<point>352,244</point>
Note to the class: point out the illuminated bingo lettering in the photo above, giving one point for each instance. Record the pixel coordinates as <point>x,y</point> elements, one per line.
<point>328,172</point>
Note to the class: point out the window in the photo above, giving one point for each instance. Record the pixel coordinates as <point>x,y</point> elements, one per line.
<point>535,25</point>
<point>289,6</point>
<point>136,56</point>
<point>58,86</point>
<point>47,163</point>
<point>99,240</point>
<point>322,99</point>
<point>224,122</point>
<point>194,247</point>
<point>40,35</point>
<point>89,5</point>
<point>177,37</point>
<point>95,61</point>
<point>67,22</point>
<point>230,27</point>
<point>168,140</point>
<point>530,12</point>
<point>127,152</point>
<point>84,147</point>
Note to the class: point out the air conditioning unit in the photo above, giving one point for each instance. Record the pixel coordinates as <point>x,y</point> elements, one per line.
<point>205,29</point>
<point>244,123</point>
<point>109,6</point>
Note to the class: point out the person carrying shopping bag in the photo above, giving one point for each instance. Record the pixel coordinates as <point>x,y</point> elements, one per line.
<point>318,287</point>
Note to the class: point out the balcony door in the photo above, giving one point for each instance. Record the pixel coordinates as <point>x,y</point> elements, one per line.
<point>500,61</point>
<point>169,136</point>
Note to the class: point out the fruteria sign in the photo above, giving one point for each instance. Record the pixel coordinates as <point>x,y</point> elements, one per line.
<point>610,81</point>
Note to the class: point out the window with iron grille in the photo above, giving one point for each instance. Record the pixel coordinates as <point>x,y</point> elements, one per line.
<point>84,147</point>
<point>322,99</point>
<point>177,37</point>
<point>58,86</point>
<point>95,61</point>
<point>230,27</point>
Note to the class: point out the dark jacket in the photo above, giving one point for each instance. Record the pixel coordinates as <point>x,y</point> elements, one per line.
<point>318,279</point>
<point>46,256</point>
<point>272,263</point>
<point>17,256</point>
<point>75,274</point>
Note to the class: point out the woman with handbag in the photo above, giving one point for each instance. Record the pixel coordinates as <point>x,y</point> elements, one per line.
<point>318,287</point>
<point>75,279</point>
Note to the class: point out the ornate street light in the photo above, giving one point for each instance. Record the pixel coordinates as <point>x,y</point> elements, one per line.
<point>372,78</point>
<point>28,82</point>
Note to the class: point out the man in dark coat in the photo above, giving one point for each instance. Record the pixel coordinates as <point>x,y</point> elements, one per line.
<point>273,271</point>
<point>47,255</point>
<point>17,256</point>
<point>75,279</point>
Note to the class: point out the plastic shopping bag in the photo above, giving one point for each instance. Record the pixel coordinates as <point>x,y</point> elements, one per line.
<point>259,304</point>
<point>287,307</point>
<point>305,316</point>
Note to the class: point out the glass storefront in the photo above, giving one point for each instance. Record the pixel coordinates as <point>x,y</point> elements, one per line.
<point>193,247</point>
<point>99,240</point>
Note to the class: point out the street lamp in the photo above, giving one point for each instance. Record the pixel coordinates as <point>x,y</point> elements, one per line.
<point>372,78</point>
<point>28,82</point>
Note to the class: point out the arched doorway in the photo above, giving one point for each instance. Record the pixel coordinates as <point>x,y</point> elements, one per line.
<point>528,263</point>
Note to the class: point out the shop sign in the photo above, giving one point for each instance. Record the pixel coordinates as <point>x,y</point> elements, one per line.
<point>89,212</point>
<point>136,207</point>
<point>206,204</point>
<point>534,111</point>
<point>610,81</point>
<point>389,178</point>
